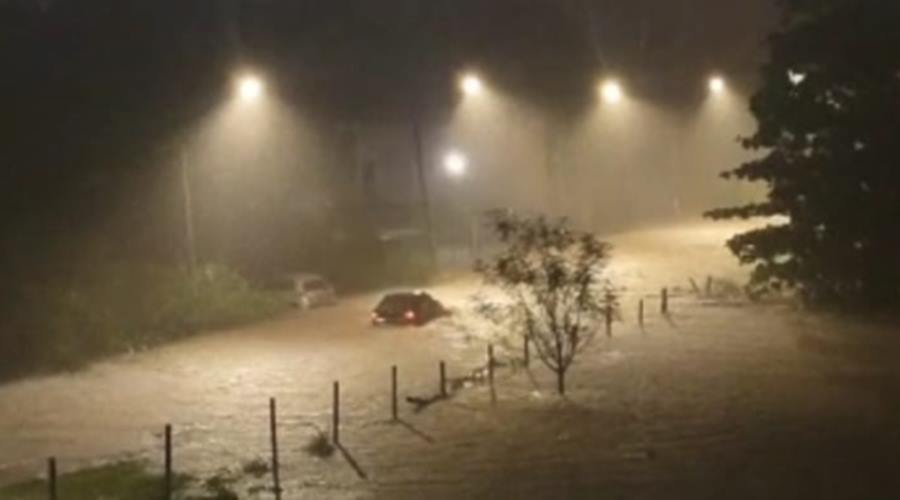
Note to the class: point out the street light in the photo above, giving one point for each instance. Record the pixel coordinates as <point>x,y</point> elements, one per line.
<point>250,88</point>
<point>611,91</point>
<point>717,85</point>
<point>455,164</point>
<point>471,84</point>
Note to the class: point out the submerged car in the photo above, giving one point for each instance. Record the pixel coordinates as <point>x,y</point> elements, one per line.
<point>306,290</point>
<point>407,308</point>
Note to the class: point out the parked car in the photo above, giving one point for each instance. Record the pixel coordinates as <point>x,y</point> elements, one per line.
<point>407,308</point>
<point>306,290</point>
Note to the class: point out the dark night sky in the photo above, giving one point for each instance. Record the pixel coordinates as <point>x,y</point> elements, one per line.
<point>104,61</point>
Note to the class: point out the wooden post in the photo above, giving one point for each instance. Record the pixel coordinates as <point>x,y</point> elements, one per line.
<point>273,433</point>
<point>608,312</point>
<point>336,413</point>
<point>490,353</point>
<point>641,312</point>
<point>394,392</point>
<point>664,304</point>
<point>51,478</point>
<point>526,349</point>
<point>168,461</point>
<point>443,368</point>
<point>708,286</point>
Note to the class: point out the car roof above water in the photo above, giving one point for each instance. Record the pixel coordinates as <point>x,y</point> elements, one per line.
<point>393,299</point>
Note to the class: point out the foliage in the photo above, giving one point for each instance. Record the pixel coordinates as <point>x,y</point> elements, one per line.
<point>319,445</point>
<point>552,280</point>
<point>122,307</point>
<point>827,122</point>
<point>120,480</point>
<point>132,480</point>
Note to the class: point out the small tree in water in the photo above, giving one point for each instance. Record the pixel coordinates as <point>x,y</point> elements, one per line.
<point>552,279</point>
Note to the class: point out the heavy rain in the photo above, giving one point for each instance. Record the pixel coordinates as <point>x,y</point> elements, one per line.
<point>449,249</point>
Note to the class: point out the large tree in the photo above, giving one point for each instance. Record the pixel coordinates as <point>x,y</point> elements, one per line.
<point>828,116</point>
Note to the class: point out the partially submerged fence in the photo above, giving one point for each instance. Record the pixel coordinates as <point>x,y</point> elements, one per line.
<point>446,387</point>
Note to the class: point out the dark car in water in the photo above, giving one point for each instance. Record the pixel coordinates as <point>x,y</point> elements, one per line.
<point>407,308</point>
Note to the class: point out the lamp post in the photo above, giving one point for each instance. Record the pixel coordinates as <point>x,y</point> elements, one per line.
<point>423,188</point>
<point>248,89</point>
<point>188,210</point>
<point>456,166</point>
<point>470,84</point>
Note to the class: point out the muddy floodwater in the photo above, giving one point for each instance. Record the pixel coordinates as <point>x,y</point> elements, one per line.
<point>722,398</point>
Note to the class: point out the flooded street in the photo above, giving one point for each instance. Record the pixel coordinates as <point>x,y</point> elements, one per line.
<point>214,389</point>
<point>765,399</point>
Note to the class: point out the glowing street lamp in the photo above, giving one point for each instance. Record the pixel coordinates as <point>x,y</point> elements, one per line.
<point>717,85</point>
<point>455,164</point>
<point>250,88</point>
<point>471,84</point>
<point>611,91</point>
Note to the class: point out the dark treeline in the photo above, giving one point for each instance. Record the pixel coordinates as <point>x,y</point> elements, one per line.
<point>827,127</point>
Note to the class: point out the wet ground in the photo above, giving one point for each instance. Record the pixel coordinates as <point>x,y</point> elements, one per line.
<point>720,399</point>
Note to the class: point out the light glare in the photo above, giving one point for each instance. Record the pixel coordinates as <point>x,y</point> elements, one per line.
<point>471,85</point>
<point>250,88</point>
<point>455,163</point>
<point>611,91</point>
<point>717,85</point>
<point>796,77</point>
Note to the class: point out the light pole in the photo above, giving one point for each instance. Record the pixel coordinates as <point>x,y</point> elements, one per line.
<point>456,166</point>
<point>249,88</point>
<point>470,84</point>
<point>188,210</point>
<point>423,188</point>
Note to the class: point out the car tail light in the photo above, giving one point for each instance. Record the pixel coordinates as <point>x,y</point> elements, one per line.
<point>410,315</point>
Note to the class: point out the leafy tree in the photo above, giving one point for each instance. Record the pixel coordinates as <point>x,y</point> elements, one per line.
<point>828,125</point>
<point>552,280</point>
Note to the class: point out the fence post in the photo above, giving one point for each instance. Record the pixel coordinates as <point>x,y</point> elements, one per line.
<point>527,349</point>
<point>641,312</point>
<point>51,478</point>
<point>168,461</point>
<point>664,304</point>
<point>273,433</point>
<point>490,353</point>
<point>608,312</point>
<point>708,286</point>
<point>443,368</point>
<point>394,392</point>
<point>336,413</point>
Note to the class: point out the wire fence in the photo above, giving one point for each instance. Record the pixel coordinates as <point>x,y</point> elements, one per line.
<point>482,375</point>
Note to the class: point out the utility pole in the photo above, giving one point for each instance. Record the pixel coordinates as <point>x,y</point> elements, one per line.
<point>188,211</point>
<point>423,188</point>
